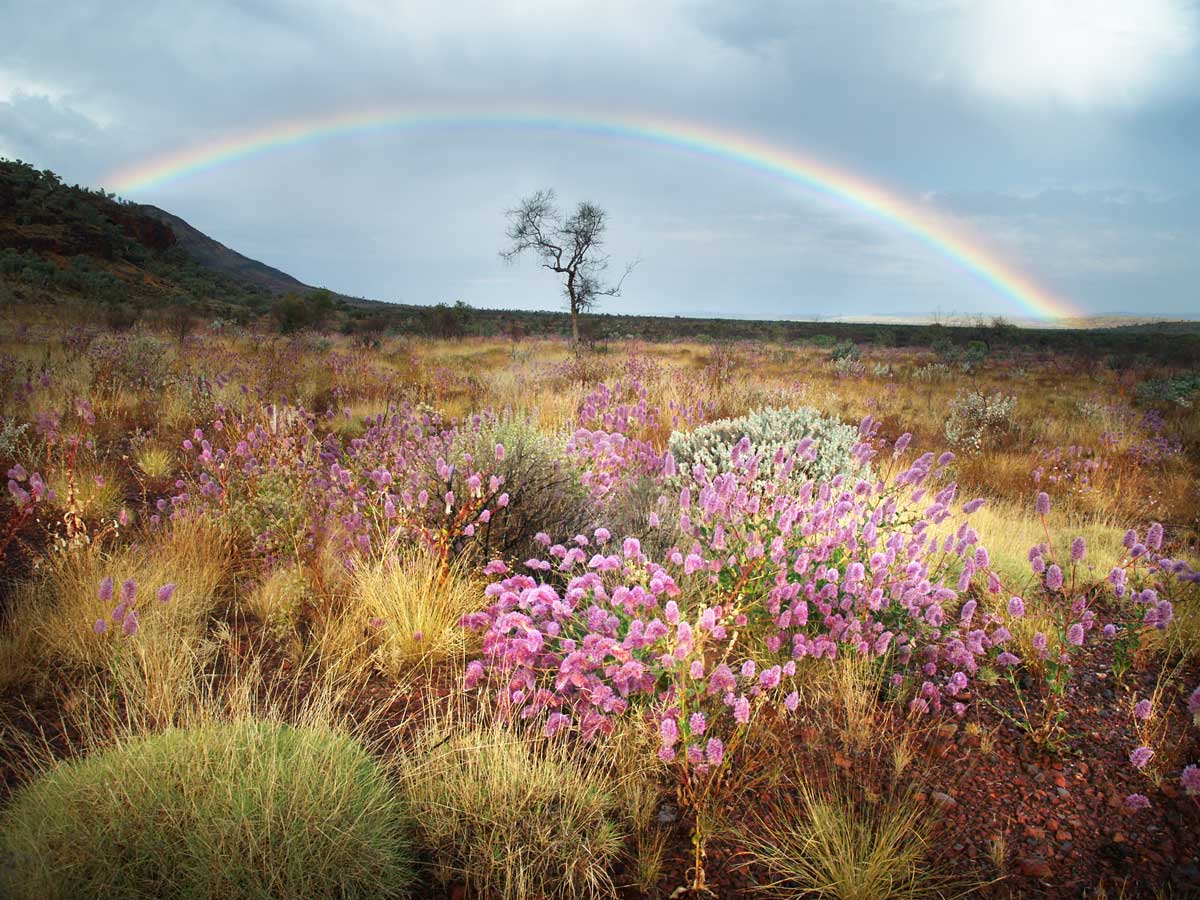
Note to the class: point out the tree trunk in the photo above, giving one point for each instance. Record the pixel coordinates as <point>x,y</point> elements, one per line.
<point>574,308</point>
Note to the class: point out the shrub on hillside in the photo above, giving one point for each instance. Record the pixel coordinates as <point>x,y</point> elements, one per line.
<point>249,809</point>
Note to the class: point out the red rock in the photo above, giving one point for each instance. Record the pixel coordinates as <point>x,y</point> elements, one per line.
<point>1034,867</point>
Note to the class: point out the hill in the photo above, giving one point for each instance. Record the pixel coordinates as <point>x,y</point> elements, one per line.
<point>67,242</point>
<point>214,255</point>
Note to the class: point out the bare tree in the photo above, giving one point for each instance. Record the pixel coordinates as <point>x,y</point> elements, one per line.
<point>569,246</point>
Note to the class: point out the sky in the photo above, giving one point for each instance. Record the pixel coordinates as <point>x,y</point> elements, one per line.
<point>1058,141</point>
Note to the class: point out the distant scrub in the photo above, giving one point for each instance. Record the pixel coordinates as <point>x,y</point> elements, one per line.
<point>977,419</point>
<point>1180,390</point>
<point>247,809</point>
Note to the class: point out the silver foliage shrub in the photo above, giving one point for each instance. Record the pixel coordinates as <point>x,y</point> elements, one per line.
<point>977,419</point>
<point>769,430</point>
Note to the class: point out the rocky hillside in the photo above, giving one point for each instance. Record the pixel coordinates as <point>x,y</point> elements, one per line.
<point>216,256</point>
<point>61,241</point>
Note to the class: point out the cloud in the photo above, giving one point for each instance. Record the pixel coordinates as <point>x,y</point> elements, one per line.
<point>1005,114</point>
<point>47,131</point>
<point>1084,54</point>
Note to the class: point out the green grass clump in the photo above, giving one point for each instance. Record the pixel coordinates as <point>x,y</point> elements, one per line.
<point>248,809</point>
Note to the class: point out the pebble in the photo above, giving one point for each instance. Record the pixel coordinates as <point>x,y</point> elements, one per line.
<point>1033,867</point>
<point>943,800</point>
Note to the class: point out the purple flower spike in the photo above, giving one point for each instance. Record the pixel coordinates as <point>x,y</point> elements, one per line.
<point>166,592</point>
<point>1016,607</point>
<point>1143,710</point>
<point>714,752</point>
<point>1078,549</point>
<point>1043,504</point>
<point>1190,779</point>
<point>100,627</point>
<point>1140,757</point>
<point>1075,635</point>
<point>130,625</point>
<point>668,731</point>
<point>106,590</point>
<point>1154,537</point>
<point>1136,802</point>
<point>741,711</point>
<point>1054,578</point>
<point>128,590</point>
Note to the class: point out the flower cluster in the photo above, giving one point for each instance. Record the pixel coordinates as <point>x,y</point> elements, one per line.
<point>404,477</point>
<point>767,574</point>
<point>611,444</point>
<point>126,614</point>
<point>26,491</point>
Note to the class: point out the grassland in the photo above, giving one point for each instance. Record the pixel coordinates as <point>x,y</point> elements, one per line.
<point>321,511</point>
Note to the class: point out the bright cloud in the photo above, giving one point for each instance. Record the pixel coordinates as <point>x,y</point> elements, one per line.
<point>1087,54</point>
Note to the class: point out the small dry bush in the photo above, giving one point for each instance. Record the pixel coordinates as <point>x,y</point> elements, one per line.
<point>246,809</point>
<point>511,816</point>
<point>278,601</point>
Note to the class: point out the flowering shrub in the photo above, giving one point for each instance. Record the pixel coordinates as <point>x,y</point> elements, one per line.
<point>849,367</point>
<point>768,431</point>
<point>404,478</point>
<point>141,361</point>
<point>701,642</point>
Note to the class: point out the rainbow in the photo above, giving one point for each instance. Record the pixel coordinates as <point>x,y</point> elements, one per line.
<point>950,241</point>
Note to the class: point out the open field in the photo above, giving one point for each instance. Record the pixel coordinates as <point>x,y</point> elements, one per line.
<point>544,622</point>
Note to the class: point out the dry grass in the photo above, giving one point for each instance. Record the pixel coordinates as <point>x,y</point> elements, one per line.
<point>154,670</point>
<point>511,816</point>
<point>830,843</point>
<point>400,612</point>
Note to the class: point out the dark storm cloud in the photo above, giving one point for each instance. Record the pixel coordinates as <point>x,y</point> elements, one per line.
<point>1069,150</point>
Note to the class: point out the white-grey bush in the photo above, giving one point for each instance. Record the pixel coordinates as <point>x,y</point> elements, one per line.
<point>976,419</point>
<point>769,430</point>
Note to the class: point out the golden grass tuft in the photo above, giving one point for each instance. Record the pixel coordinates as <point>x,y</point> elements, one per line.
<point>154,462</point>
<point>511,816</point>
<point>154,670</point>
<point>402,611</point>
<point>828,843</point>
